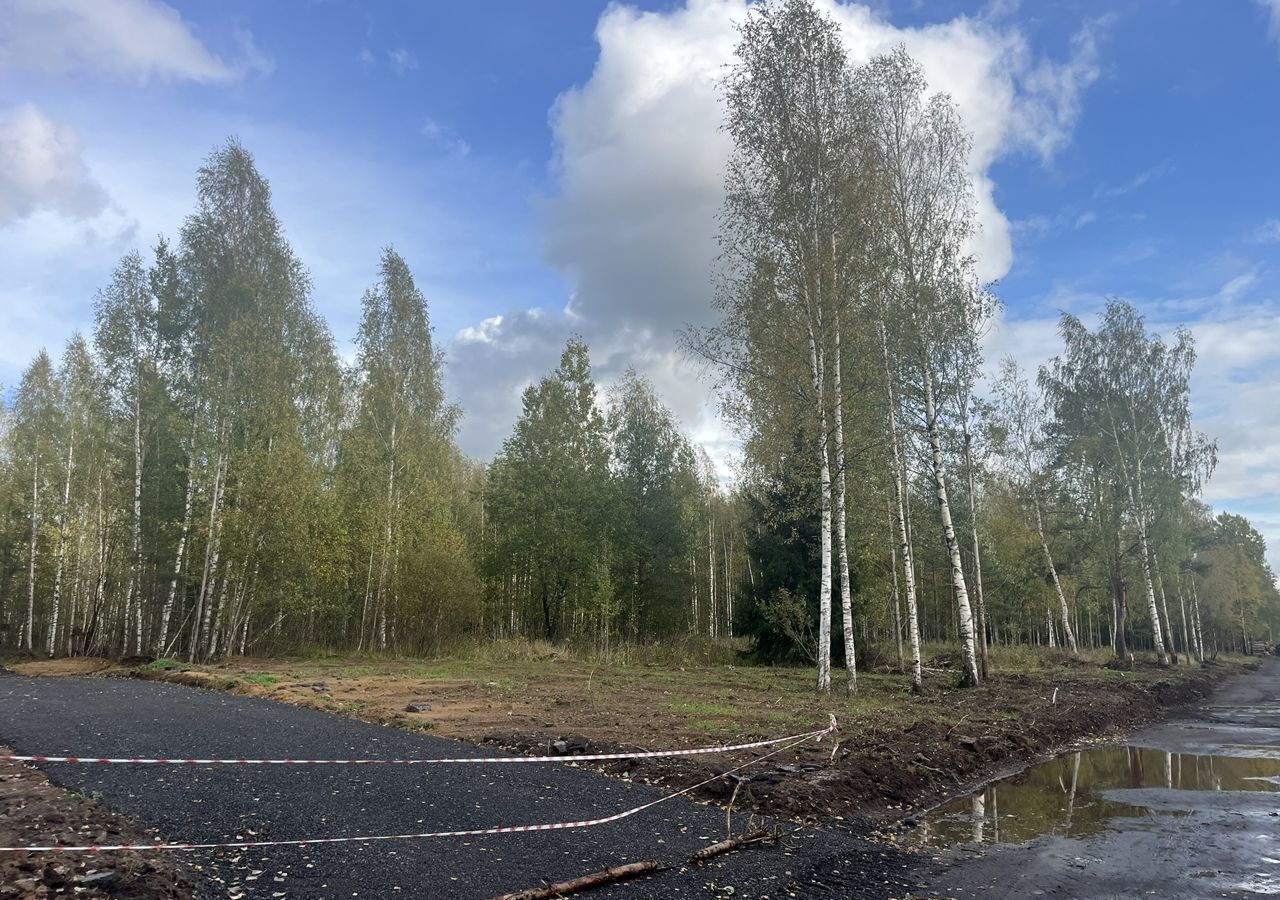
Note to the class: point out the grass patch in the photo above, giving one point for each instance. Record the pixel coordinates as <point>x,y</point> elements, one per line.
<point>165,664</point>
<point>262,679</point>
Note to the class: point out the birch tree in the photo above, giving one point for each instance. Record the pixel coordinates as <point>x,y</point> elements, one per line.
<point>926,219</point>
<point>1021,417</point>
<point>790,254</point>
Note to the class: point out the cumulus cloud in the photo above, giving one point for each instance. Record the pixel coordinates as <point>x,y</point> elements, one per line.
<point>41,168</point>
<point>640,157</point>
<point>138,39</point>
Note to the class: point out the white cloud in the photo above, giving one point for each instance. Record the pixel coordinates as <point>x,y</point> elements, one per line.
<point>1156,172</point>
<point>138,39</point>
<point>640,165</point>
<point>444,137</point>
<point>402,60</point>
<point>1269,231</point>
<point>41,168</point>
<point>1273,19</point>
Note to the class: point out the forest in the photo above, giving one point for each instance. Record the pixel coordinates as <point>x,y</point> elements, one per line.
<point>204,475</point>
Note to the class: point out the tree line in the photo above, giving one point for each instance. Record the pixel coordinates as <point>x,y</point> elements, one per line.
<point>849,358</point>
<point>204,475</point>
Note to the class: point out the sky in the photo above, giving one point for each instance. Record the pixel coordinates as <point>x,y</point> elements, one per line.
<point>556,167</point>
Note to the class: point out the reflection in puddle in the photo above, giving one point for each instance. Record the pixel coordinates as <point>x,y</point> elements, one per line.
<point>1072,795</point>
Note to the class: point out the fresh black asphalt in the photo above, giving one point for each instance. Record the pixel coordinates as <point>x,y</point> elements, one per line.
<point>197,804</point>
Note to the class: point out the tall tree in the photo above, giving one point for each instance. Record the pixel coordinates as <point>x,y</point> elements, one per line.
<point>927,219</point>
<point>1020,416</point>
<point>790,232</point>
<point>549,503</point>
<point>35,423</point>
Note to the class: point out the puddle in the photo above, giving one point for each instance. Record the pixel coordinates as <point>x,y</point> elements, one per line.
<point>1079,794</point>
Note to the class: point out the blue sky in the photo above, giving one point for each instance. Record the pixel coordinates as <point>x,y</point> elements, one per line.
<point>555,167</point>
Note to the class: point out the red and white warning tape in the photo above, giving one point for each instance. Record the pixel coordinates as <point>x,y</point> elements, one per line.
<point>795,741</point>
<point>440,761</point>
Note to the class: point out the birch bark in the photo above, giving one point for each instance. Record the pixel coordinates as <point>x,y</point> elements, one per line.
<point>965,624</point>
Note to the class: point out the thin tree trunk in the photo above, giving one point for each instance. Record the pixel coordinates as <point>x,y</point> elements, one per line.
<point>824,483</point>
<point>1164,611</point>
<point>135,555</point>
<point>204,599</point>
<point>62,542</point>
<point>1156,637</point>
<point>167,612</point>
<point>35,537</point>
<point>1053,572</point>
<point>984,658</point>
<point>965,625</point>
<point>1196,620</point>
<point>899,491</point>
<point>842,527</point>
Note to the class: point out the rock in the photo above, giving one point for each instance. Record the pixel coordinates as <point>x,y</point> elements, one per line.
<point>559,748</point>
<point>418,707</point>
<point>99,880</point>
<point>968,743</point>
<point>319,688</point>
<point>26,884</point>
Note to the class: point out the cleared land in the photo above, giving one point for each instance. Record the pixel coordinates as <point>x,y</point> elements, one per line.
<point>897,751</point>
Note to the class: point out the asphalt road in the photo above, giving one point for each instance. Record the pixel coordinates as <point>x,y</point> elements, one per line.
<point>1190,844</point>
<point>124,717</point>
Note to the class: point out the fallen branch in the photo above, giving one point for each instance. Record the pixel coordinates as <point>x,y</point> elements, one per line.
<point>958,723</point>
<point>574,885</point>
<point>742,840</point>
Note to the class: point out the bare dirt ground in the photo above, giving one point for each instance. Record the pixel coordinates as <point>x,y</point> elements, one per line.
<point>33,811</point>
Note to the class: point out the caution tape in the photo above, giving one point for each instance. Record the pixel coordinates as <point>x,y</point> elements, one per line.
<point>795,741</point>
<point>430,761</point>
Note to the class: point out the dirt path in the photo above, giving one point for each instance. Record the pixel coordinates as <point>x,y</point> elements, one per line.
<point>128,717</point>
<point>1197,815</point>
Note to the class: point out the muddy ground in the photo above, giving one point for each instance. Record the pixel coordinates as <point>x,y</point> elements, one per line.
<point>1198,818</point>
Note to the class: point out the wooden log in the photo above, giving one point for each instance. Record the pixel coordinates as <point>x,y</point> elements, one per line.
<point>742,840</point>
<point>586,882</point>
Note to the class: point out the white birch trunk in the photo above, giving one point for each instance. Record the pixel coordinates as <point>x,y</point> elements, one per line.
<point>62,543</point>
<point>167,612</point>
<point>711,568</point>
<point>1157,639</point>
<point>981,619</point>
<point>899,491</point>
<point>135,555</point>
<point>1164,610</point>
<point>1053,573</point>
<point>200,618</point>
<point>31,563</point>
<point>965,624</point>
<point>842,527</point>
<point>1195,619</point>
<point>824,482</point>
